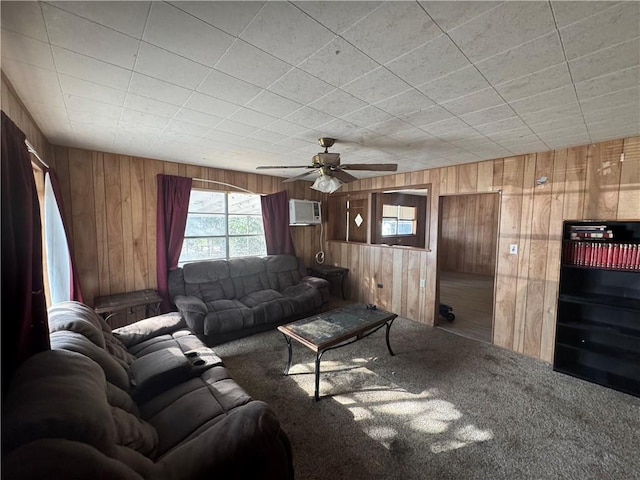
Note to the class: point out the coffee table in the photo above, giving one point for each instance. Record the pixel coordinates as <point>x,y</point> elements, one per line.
<point>334,329</point>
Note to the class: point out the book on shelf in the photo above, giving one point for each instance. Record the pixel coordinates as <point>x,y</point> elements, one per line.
<point>620,256</point>
<point>604,234</point>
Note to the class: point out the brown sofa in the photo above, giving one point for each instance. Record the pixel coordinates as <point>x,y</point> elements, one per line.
<point>147,401</point>
<point>226,299</point>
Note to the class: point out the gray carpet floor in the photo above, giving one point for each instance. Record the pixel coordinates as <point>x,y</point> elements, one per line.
<point>444,407</point>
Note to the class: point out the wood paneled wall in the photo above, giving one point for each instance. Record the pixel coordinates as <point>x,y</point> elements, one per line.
<point>111,203</point>
<point>468,233</point>
<point>586,182</point>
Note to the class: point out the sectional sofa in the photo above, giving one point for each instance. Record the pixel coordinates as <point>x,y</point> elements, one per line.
<point>146,401</point>
<point>225,299</point>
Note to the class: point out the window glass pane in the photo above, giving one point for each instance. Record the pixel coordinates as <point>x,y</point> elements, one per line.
<point>207,248</point>
<point>245,246</point>
<point>389,226</point>
<point>199,225</point>
<point>245,225</point>
<point>206,201</point>
<point>245,203</point>
<point>407,213</point>
<point>405,227</point>
<point>389,210</point>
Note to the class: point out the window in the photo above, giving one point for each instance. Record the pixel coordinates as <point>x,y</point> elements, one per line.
<point>398,220</point>
<point>222,225</point>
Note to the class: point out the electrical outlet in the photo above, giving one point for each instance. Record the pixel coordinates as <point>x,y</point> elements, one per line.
<point>422,283</point>
<point>513,249</point>
<point>379,285</point>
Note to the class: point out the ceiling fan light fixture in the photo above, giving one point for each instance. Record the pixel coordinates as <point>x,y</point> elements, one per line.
<point>326,184</point>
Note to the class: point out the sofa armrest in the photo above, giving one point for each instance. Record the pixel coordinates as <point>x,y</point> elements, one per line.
<point>150,327</point>
<point>248,443</point>
<point>194,311</point>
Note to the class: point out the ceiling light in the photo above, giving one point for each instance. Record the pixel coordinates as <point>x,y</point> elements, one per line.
<point>326,184</point>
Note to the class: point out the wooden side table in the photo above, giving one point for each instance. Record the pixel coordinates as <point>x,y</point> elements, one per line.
<point>329,272</point>
<point>110,305</point>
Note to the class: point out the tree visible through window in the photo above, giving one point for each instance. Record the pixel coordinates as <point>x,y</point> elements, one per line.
<point>221,226</point>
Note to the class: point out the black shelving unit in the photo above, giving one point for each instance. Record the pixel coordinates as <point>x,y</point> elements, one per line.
<point>598,319</point>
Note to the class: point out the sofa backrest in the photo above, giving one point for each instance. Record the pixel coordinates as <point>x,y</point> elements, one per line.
<point>230,279</point>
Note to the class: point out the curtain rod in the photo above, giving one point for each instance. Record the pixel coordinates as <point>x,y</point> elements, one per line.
<point>33,151</point>
<point>223,183</point>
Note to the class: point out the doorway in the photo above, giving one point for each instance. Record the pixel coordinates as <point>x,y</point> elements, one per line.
<point>467,246</point>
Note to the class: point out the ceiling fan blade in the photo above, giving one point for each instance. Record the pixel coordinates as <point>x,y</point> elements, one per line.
<point>344,177</point>
<point>298,177</point>
<point>378,167</point>
<point>265,167</point>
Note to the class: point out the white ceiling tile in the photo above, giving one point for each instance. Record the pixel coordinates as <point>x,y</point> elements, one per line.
<point>558,133</point>
<point>158,90</point>
<point>340,129</point>
<point>303,34</point>
<point>293,143</point>
<point>510,123</point>
<point>82,88</point>
<point>338,63</point>
<point>337,16</point>
<point>223,137</point>
<point>473,102</point>
<point>25,18</point>
<point>149,105</point>
<point>267,137</point>
<point>199,118</point>
<point>185,128</point>
<point>511,136</point>
<point>366,116</point>
<point>392,28</point>
<point>273,104</point>
<point>109,113</point>
<point>34,84</point>
<point>620,80</point>
<point>181,33</point>
<point>405,102</point>
<point>538,54</point>
<point>90,69</point>
<point>133,118</point>
<point>559,96</point>
<point>557,124</point>
<point>231,17</point>
<point>389,127</point>
<point>125,17</point>
<point>410,136</point>
<point>567,12</point>
<point>427,116</point>
<point>542,81</point>
<point>618,57</point>
<point>286,128</point>
<point>437,58</point>
<point>376,85</point>
<point>488,115</point>
<point>452,14</point>
<point>609,132</point>
<point>228,88</point>
<point>630,96</point>
<point>531,147</point>
<point>158,63</point>
<point>301,87</point>
<point>252,65</point>
<point>509,25</point>
<point>251,117</point>
<point>79,35</point>
<point>446,126</point>
<point>457,84</point>
<point>309,117</point>
<point>338,103</point>
<point>94,116</point>
<point>622,24</point>
<point>26,50</point>
<point>594,116</point>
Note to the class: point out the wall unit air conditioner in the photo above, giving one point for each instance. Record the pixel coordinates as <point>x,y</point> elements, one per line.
<point>304,212</point>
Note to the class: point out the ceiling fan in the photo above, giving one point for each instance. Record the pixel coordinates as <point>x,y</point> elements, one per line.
<point>332,173</point>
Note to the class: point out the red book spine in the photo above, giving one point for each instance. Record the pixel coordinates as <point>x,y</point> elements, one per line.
<point>575,256</point>
<point>588,252</point>
<point>616,255</point>
<point>609,261</point>
<point>600,255</point>
<point>624,256</point>
<point>636,259</point>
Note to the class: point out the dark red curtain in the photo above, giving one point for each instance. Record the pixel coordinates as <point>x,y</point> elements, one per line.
<point>173,205</point>
<point>75,289</point>
<point>25,329</point>
<point>275,216</point>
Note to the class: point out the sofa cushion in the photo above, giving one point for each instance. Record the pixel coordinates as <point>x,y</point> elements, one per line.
<point>283,271</point>
<point>121,399</point>
<point>113,370</point>
<point>58,394</point>
<point>268,306</point>
<point>209,281</point>
<point>303,297</point>
<point>227,315</point>
<point>249,275</point>
<point>133,432</point>
<point>64,317</point>
<point>134,334</point>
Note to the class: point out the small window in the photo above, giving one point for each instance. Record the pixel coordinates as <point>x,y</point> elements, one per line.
<point>398,220</point>
<point>222,226</point>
